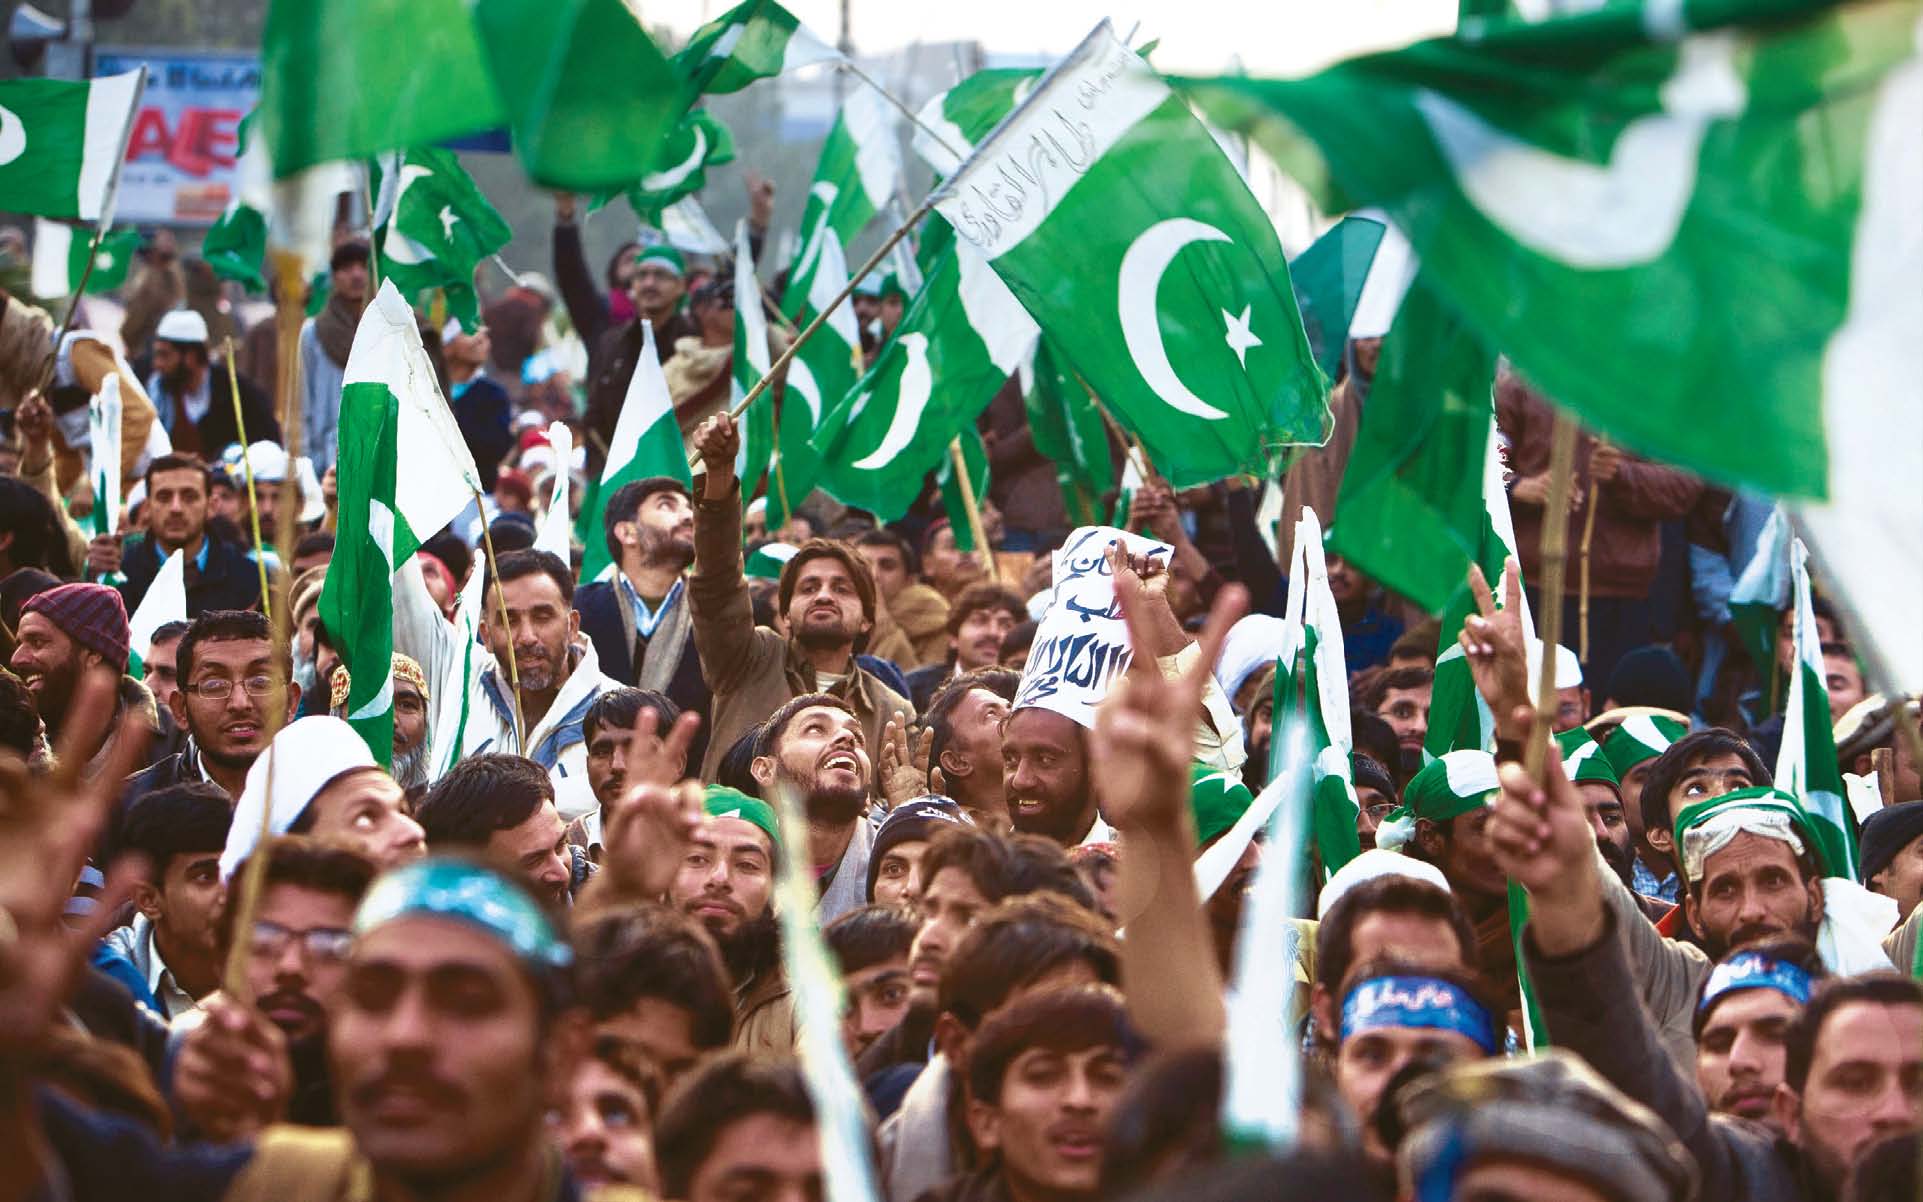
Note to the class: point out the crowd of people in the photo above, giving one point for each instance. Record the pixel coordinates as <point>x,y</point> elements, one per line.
<point>544,961</point>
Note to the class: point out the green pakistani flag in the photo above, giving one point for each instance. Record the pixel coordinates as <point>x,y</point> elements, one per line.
<point>1622,201</point>
<point>1806,765</point>
<point>164,601</point>
<point>953,503</point>
<point>819,376</point>
<point>647,442</point>
<point>1129,236</point>
<point>1067,429</point>
<point>753,40</point>
<point>1408,514</point>
<point>60,259</point>
<point>236,245</point>
<point>1328,281</point>
<point>951,122</point>
<point>859,168</point>
<point>750,364</point>
<point>389,401</point>
<point>433,226</point>
<point>1758,599</point>
<point>959,340</point>
<point>697,143</point>
<point>61,143</point>
<point>1312,681</point>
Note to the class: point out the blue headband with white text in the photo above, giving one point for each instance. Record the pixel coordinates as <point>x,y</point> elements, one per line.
<point>1420,1002</point>
<point>1754,970</point>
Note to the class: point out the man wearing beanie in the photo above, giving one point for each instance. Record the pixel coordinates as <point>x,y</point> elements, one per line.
<point>1891,843</point>
<point>894,862</point>
<point>64,632</point>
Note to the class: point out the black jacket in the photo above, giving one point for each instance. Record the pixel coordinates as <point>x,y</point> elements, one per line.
<point>611,366</point>
<point>229,581</point>
<point>485,415</point>
<point>599,605</point>
<point>216,428</point>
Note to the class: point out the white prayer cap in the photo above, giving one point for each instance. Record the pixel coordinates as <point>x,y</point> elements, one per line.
<point>269,463</point>
<point>305,757</point>
<point>181,325</point>
<point>1252,644</point>
<point>1368,866</point>
<point>1568,667</point>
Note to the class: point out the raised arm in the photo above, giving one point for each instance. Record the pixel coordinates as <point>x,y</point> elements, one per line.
<point>718,599</point>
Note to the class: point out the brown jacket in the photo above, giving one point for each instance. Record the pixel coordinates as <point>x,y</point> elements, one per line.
<point>764,1015</point>
<point>752,670</point>
<point>1630,508</point>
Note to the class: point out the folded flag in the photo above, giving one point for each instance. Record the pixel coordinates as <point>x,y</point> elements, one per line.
<point>951,122</point>
<point>819,377</point>
<point>432,228</point>
<point>165,601</point>
<point>1328,280</point>
<point>60,258</point>
<point>1131,239</point>
<point>1806,765</point>
<point>751,362</point>
<point>697,143</point>
<point>62,143</point>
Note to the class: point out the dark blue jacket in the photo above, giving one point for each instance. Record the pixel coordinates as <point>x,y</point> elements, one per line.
<point>229,579</point>
<point>599,604</point>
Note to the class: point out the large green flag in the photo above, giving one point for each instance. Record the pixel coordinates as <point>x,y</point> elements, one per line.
<point>647,442</point>
<point>1067,428</point>
<point>697,143</point>
<point>859,169</point>
<point>959,340</point>
<point>433,227</point>
<point>819,376</point>
<point>1408,514</point>
<point>61,143</point>
<point>60,259</point>
<point>753,40</point>
<point>1328,281</point>
<point>1806,765</point>
<point>1129,236</point>
<point>1696,226</point>
<point>390,405</point>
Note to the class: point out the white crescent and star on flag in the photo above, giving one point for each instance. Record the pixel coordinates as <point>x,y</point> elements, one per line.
<point>1140,278</point>
<point>13,136</point>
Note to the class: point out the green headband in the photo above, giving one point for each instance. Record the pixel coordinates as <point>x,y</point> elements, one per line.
<point>1217,799</point>
<point>1642,737</point>
<point>723,802</point>
<point>449,887</point>
<point>662,256</point>
<point>891,286</point>
<point>1583,759</point>
<point>1761,799</point>
<point>1456,784</point>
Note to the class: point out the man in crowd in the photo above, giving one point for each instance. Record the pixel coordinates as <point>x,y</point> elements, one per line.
<point>481,406</point>
<point>64,632</point>
<point>813,749</point>
<point>965,720</point>
<point>980,618</point>
<point>502,807</point>
<point>192,395</point>
<point>608,728</point>
<point>410,718</point>
<point>870,947</point>
<point>656,287</point>
<point>726,882</point>
<point>171,942</point>
<point>652,979</point>
<point>557,676</point>
<point>605,1126</point>
<point>318,778</point>
<point>1891,841</point>
<point>825,598</point>
<point>1633,748</point>
<point>161,663</point>
<point>901,846</point>
<point>639,620</point>
<point>1750,1000</point>
<point>1400,697</point>
<point>325,340</point>
<point>908,609</point>
<point>220,574</point>
<point>742,1126</point>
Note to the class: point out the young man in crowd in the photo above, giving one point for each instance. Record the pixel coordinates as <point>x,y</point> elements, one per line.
<point>63,632</point>
<point>1400,697</point>
<point>980,618</point>
<point>1633,748</point>
<point>901,845</point>
<point>220,573</point>
<point>322,781</point>
<point>726,883</point>
<point>605,1127</point>
<point>171,942</point>
<point>1891,842</point>
<point>742,1126</point>
<point>608,728</point>
<point>826,601</point>
<point>1750,1000</point>
<point>870,947</point>
<point>657,283</point>
<point>908,609</point>
<point>502,807</point>
<point>161,663</point>
<point>814,748</point>
<point>639,620</point>
<point>651,978</point>
<point>965,720</point>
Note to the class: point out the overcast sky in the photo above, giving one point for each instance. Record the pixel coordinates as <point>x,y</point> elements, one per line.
<point>1266,37</point>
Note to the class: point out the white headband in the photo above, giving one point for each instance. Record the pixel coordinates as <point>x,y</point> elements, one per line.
<point>1715,833</point>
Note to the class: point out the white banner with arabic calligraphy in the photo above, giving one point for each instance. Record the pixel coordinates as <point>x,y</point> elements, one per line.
<point>1081,647</point>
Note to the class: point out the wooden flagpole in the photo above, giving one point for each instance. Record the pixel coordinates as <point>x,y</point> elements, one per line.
<point>1555,545</point>
<point>1582,583</point>
<point>247,466</point>
<point>500,607</point>
<point>972,508</point>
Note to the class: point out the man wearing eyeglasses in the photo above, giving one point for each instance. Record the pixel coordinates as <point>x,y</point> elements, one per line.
<point>296,961</point>
<point>232,696</point>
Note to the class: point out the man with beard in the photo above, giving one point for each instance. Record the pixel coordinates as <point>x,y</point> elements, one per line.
<point>171,942</point>
<point>502,807</point>
<point>1749,1002</point>
<point>64,632</point>
<point>813,748</point>
<point>825,598</point>
<point>1852,1057</point>
<point>965,722</point>
<point>410,719</point>
<point>296,963</point>
<point>981,617</point>
<point>1633,747</point>
<point>559,675</point>
<point>638,621</point>
<point>231,697</point>
<point>726,883</point>
<point>1400,697</point>
<point>656,287</point>
<point>1589,770</point>
<point>191,394</point>
<point>325,340</point>
<point>318,778</point>
<point>220,573</point>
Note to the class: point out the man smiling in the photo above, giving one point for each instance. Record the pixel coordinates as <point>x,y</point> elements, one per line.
<point>813,748</point>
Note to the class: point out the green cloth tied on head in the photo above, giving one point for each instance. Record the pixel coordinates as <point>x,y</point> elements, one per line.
<point>1218,800</point>
<point>663,256</point>
<point>891,286</point>
<point>1584,760</point>
<point>723,802</point>
<point>1706,827</point>
<point>1456,784</point>
<point>1641,737</point>
<point>462,890</point>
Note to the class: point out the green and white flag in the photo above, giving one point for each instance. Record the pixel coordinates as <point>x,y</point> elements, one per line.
<point>953,503</point>
<point>859,168</point>
<point>766,561</point>
<point>951,122</point>
<point>1129,236</point>
<point>959,340</point>
<point>819,377</point>
<point>1407,514</point>
<point>647,442</point>
<point>697,143</point>
<point>390,399</point>
<point>1759,598</point>
<point>751,362</point>
<point>103,451</point>
<point>236,245</point>
<point>165,601</point>
<point>432,227</point>
<point>1621,200</point>
<point>62,143</point>
<point>1328,280</point>
<point>1312,681</point>
<point>754,40</point>
<point>60,259</point>
<point>1806,764</point>
<point>1063,421</point>
<point>556,530</point>
<point>1132,481</point>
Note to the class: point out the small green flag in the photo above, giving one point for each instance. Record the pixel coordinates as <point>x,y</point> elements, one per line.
<point>751,362</point>
<point>754,40</point>
<point>1806,765</point>
<point>859,169</point>
<point>647,442</point>
<point>697,143</point>
<point>61,143</point>
<point>60,259</point>
<point>433,226</point>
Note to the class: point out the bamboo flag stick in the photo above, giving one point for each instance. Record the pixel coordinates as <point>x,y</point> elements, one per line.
<point>1555,551</point>
<point>1582,585</point>
<point>972,508</point>
<point>500,606</point>
<point>808,331</point>
<point>247,466</point>
<point>848,65</point>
